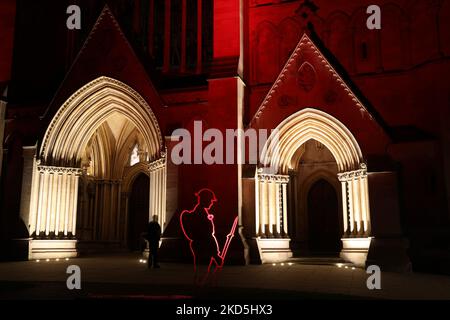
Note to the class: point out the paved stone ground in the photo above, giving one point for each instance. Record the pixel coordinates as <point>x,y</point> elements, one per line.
<point>124,277</point>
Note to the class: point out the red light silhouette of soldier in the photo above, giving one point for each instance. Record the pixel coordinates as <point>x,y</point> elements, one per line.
<point>198,227</point>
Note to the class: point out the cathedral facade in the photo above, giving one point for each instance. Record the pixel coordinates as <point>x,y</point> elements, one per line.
<point>359,167</point>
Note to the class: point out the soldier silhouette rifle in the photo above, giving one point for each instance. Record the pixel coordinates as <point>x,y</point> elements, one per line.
<point>199,229</point>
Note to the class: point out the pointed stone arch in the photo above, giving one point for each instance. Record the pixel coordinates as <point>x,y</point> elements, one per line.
<point>131,173</point>
<point>289,36</point>
<point>308,124</point>
<point>394,38</point>
<point>339,38</point>
<point>79,117</point>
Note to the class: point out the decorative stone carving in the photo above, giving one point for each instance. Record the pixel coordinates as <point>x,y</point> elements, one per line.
<point>273,178</point>
<point>349,175</point>
<point>305,45</point>
<point>306,77</point>
<point>158,164</point>
<point>59,170</point>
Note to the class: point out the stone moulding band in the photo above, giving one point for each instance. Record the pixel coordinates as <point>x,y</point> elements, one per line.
<point>349,175</point>
<point>264,177</point>
<point>59,170</point>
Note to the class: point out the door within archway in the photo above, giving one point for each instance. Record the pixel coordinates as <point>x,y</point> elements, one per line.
<point>138,212</point>
<point>323,219</point>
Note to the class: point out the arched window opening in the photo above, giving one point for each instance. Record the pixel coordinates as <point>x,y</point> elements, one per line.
<point>134,156</point>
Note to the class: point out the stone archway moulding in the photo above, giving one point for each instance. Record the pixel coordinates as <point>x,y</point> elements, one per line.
<point>79,117</point>
<point>305,125</point>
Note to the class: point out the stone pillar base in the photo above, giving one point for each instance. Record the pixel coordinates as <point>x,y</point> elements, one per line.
<point>355,250</point>
<point>274,250</point>
<point>52,249</point>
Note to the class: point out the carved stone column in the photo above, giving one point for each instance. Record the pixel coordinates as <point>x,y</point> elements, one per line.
<point>356,215</point>
<point>53,211</point>
<point>158,184</point>
<point>272,204</point>
<point>271,220</point>
<point>355,206</point>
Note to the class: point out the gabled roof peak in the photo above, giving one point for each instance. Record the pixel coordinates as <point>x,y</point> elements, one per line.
<point>105,13</point>
<point>311,42</point>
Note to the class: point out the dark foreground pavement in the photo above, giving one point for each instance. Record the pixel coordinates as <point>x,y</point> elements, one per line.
<point>124,277</point>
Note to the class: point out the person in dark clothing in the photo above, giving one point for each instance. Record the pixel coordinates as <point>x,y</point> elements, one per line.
<point>153,237</point>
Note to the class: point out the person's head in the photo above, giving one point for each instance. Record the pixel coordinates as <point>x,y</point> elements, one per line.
<point>155,218</point>
<point>206,198</point>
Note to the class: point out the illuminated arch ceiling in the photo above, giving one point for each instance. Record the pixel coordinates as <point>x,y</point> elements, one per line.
<point>86,110</point>
<point>305,125</point>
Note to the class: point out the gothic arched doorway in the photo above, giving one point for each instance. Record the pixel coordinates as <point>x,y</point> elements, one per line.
<point>138,211</point>
<point>80,183</point>
<point>283,178</point>
<point>324,232</point>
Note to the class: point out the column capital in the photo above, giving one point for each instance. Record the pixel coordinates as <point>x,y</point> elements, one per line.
<point>157,164</point>
<point>59,170</point>
<point>277,178</point>
<point>350,175</point>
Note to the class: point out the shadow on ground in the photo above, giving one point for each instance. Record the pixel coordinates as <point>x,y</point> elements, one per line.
<point>10,290</point>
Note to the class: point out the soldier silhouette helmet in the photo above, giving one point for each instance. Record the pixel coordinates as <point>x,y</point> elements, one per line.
<point>206,198</point>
